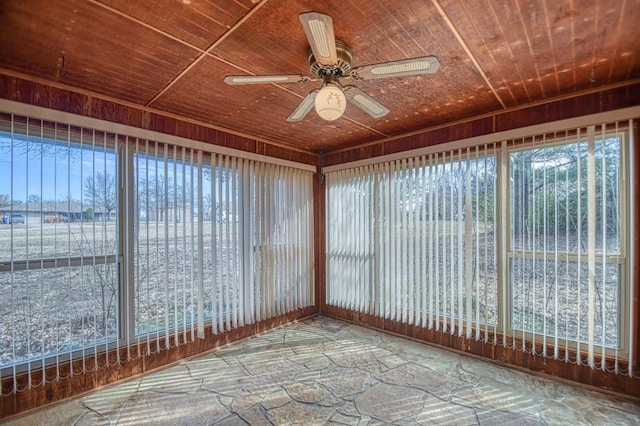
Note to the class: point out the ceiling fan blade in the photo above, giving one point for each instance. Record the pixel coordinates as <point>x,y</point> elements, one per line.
<point>415,66</point>
<point>303,107</point>
<point>319,31</point>
<point>235,80</point>
<point>365,102</point>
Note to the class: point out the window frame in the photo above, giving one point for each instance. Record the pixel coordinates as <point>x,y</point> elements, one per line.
<point>75,139</point>
<point>122,150</point>
<point>621,259</point>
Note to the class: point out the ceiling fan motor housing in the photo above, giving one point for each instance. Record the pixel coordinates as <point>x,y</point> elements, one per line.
<point>342,67</point>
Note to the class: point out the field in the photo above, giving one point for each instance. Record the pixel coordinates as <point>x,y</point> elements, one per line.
<point>63,292</point>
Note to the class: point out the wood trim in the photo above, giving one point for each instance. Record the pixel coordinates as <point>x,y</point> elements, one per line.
<point>207,52</point>
<point>609,99</point>
<point>71,387</point>
<point>635,234</point>
<point>467,50</point>
<point>491,116</point>
<point>34,91</point>
<point>63,98</point>
<point>80,121</point>
<point>616,383</point>
<point>320,235</point>
<point>585,375</point>
<point>523,134</point>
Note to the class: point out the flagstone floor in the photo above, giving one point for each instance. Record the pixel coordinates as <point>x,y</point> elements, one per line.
<point>323,371</point>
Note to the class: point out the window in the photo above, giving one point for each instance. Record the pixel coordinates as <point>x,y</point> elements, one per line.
<point>566,254</point>
<point>414,240</point>
<point>522,243</point>
<point>113,247</point>
<point>58,273</point>
<point>166,240</point>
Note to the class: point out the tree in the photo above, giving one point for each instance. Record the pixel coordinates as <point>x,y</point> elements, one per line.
<point>101,192</point>
<point>161,196</point>
<point>34,199</point>
<point>206,206</point>
<point>88,214</point>
<point>5,200</point>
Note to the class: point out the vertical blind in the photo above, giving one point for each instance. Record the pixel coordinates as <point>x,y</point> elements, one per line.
<point>523,243</point>
<point>116,247</point>
<point>567,247</point>
<point>414,241</point>
<point>246,258</point>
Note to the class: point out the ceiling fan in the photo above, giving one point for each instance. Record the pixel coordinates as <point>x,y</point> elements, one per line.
<point>330,60</point>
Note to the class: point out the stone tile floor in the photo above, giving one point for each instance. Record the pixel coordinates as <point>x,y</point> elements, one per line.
<point>323,371</point>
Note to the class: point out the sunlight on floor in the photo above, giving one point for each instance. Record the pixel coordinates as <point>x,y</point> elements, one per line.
<point>322,371</point>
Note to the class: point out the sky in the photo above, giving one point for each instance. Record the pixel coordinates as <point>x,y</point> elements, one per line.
<point>57,171</point>
<point>50,171</point>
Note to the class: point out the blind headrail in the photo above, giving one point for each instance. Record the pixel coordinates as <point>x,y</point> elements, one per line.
<point>41,113</point>
<point>521,132</point>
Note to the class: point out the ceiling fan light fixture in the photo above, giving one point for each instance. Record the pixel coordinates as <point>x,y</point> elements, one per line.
<point>329,60</point>
<point>330,102</point>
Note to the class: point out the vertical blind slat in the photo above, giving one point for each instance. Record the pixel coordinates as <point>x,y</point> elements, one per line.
<point>487,243</point>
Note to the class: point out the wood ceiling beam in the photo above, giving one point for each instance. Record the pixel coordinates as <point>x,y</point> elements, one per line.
<point>465,47</point>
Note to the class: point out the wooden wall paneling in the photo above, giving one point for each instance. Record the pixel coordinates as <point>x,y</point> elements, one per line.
<point>590,103</point>
<point>288,154</point>
<point>524,361</point>
<point>483,126</point>
<point>225,139</point>
<point>182,129</point>
<point>19,90</point>
<point>78,103</point>
<point>63,100</point>
<point>114,112</point>
<point>160,123</point>
<point>245,144</point>
<point>173,55</point>
<point>586,104</point>
<point>33,93</point>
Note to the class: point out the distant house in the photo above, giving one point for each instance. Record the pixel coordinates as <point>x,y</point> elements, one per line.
<point>58,211</point>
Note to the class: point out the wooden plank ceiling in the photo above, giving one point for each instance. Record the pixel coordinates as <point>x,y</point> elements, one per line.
<point>172,55</point>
